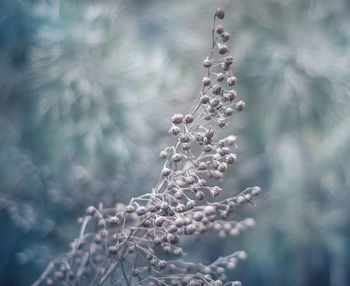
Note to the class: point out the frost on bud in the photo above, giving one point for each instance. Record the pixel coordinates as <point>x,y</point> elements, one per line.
<point>222,49</point>
<point>185,138</point>
<point>163,154</point>
<point>166,172</point>
<point>220,13</point>
<point>240,200</point>
<point>141,211</point>
<point>113,249</point>
<point>129,209</point>
<point>186,146</point>
<point>91,210</point>
<point>209,210</point>
<point>189,118</point>
<point>228,111</point>
<point>222,122</point>
<point>220,77</point>
<point>177,118</point>
<point>216,89</point>
<point>204,99</point>
<point>177,157</point>
<point>256,190</point>
<point>225,36</point>
<point>232,95</point>
<point>231,158</point>
<point>162,264</point>
<point>232,80</point>
<point>240,105</point>
<point>174,130</point>
<point>207,63</point>
<point>219,29</point>
<point>216,191</point>
<point>206,81</point>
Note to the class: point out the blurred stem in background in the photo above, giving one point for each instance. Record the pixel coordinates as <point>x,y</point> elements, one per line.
<point>85,88</point>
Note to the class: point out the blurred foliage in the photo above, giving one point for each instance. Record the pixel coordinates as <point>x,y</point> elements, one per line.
<point>87,88</point>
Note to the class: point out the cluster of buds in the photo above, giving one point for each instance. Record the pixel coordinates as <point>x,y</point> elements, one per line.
<point>141,243</point>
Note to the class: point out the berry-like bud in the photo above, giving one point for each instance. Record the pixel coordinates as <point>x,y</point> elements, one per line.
<point>228,111</point>
<point>166,172</point>
<point>189,118</point>
<point>91,210</point>
<point>204,99</point>
<point>240,105</point>
<point>220,13</point>
<point>177,157</point>
<point>232,80</point>
<point>222,122</point>
<point>216,89</point>
<point>225,36</point>
<point>222,49</point>
<point>232,95</point>
<point>219,29</point>
<point>220,77</point>
<point>206,81</point>
<point>231,158</point>
<point>177,118</point>
<point>209,210</point>
<point>207,63</point>
<point>141,211</point>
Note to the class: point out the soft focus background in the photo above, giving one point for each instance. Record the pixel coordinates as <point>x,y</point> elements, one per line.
<point>86,92</point>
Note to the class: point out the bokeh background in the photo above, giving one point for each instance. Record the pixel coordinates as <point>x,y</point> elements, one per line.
<point>86,92</point>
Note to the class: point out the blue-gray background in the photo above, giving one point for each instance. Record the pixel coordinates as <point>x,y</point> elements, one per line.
<point>86,92</point>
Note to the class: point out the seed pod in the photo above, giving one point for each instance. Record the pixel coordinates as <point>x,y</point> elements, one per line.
<point>222,49</point>
<point>214,102</point>
<point>166,172</point>
<point>177,157</point>
<point>177,118</point>
<point>164,205</point>
<point>189,118</point>
<point>219,29</point>
<point>204,99</point>
<point>232,95</point>
<point>129,209</point>
<point>228,111</point>
<point>207,148</point>
<point>206,81</point>
<point>207,63</point>
<point>174,130</point>
<point>198,216</point>
<point>186,146</point>
<point>185,138</point>
<point>216,191</point>
<point>240,105</point>
<point>113,249</point>
<point>231,80</point>
<point>220,77</point>
<point>159,221</point>
<point>91,210</point>
<point>222,122</point>
<point>163,154</point>
<point>216,89</point>
<point>162,264</point>
<point>209,210</point>
<point>256,190</point>
<point>220,13</point>
<point>141,211</point>
<point>190,229</point>
<point>225,36</point>
<point>199,195</point>
<point>210,133</point>
<point>231,158</point>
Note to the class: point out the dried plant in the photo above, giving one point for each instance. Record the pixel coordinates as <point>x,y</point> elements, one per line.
<point>141,243</point>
